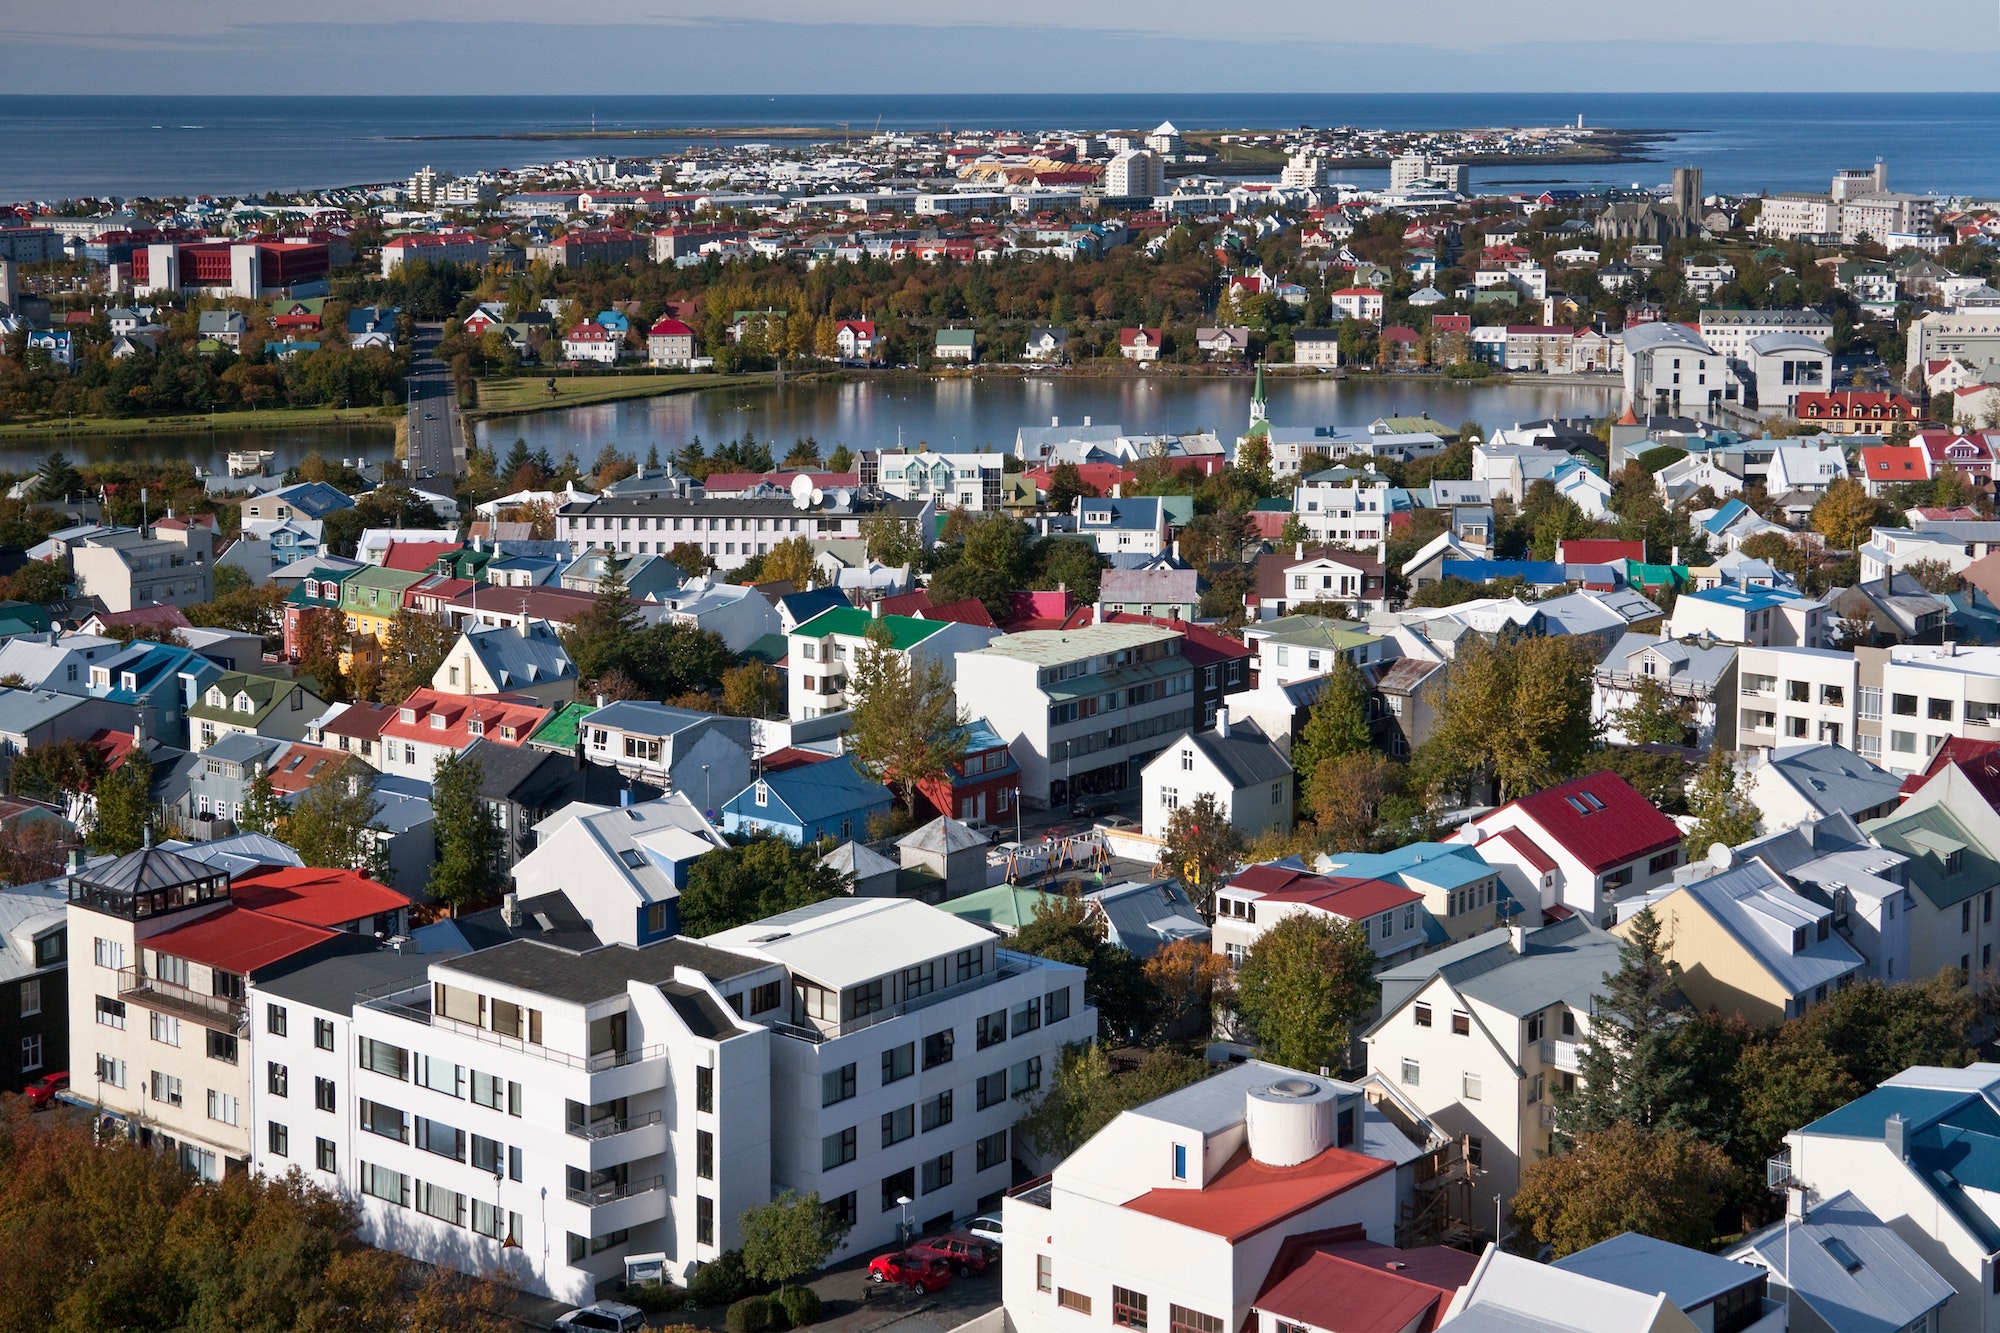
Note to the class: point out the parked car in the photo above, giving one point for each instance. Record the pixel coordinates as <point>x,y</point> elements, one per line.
<point>1090,806</point>
<point>607,1316</point>
<point>986,1226</point>
<point>42,1092</point>
<point>1117,822</point>
<point>965,1252</point>
<point>917,1268</point>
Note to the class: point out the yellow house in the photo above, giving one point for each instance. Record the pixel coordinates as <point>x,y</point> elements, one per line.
<point>369,601</point>
<point>1748,943</point>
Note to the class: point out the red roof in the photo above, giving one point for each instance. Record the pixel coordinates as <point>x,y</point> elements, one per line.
<point>1349,1284</point>
<point>1247,1196</point>
<point>1975,759</point>
<point>1600,820</point>
<point>495,713</point>
<point>1854,404</point>
<point>1343,896</point>
<point>1530,853</point>
<point>966,611</point>
<point>668,327</point>
<point>361,719</point>
<point>411,557</point>
<point>1200,645</point>
<point>300,764</point>
<point>791,756</point>
<point>1101,475</point>
<point>1358,291</point>
<point>559,605</point>
<point>1894,460</point>
<point>1126,337</point>
<point>1599,551</point>
<point>313,897</point>
<point>237,939</point>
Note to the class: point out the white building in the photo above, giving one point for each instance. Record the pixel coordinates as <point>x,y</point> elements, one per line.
<point>1792,696</point>
<point>961,481</point>
<point>1136,173</point>
<point>1237,764</point>
<point>622,867</point>
<point>825,651</point>
<point>167,565</point>
<point>1672,371</point>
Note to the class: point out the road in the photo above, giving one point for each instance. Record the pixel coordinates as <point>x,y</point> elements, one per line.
<point>437,443</point>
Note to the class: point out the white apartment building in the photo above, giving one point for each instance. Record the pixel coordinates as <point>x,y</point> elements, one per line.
<point>1411,169</point>
<point>170,566</point>
<point>1480,1036</point>
<point>626,1102</point>
<point>1136,173</point>
<point>1731,332</point>
<point>728,532</point>
<point>1930,693</point>
<point>1172,1215</point>
<point>1081,709</point>
<point>1670,370</point>
<point>959,481</point>
<point>826,650</point>
<point>1795,696</point>
<point>1355,512</point>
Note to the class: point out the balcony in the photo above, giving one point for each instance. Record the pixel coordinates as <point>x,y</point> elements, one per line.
<point>1562,1055</point>
<point>415,1006</point>
<point>214,1011</point>
<point>614,1126</point>
<point>611,1191</point>
<point>1008,965</point>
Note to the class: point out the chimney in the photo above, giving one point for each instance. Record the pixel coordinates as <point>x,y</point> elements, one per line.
<point>1517,936</point>
<point>1177,550</point>
<point>1675,558</point>
<point>510,909</point>
<point>1298,550</point>
<point>1054,422</point>
<point>625,796</point>
<point>600,701</point>
<point>74,863</point>
<point>1086,421</point>
<point>1117,490</point>
<point>139,733</point>
<point>1097,612</point>
<point>875,609</point>
<point>1892,1135</point>
<point>1222,720</point>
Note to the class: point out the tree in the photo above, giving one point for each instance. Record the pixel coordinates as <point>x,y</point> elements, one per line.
<point>55,769</point>
<point>38,581</point>
<point>1517,708</point>
<point>412,651</point>
<point>57,480</point>
<point>1721,805</point>
<point>1303,985</point>
<point>906,725</point>
<point>1184,975</point>
<point>733,886</point>
<point>1201,848</point>
<point>1661,778</point>
<point>993,560</point>
<point>841,459</point>
<point>1085,1093</point>
<point>1787,1081</point>
<point>690,559</point>
<point>125,814</point>
<point>1338,724</point>
<point>1067,930</point>
<point>1349,796</point>
<point>600,639</point>
<point>792,561</point>
<point>1662,1183</point>
<point>890,539</point>
<point>332,822</point>
<point>1655,715</point>
<point>1628,1073</point>
<point>468,836</point>
<point>261,808</point>
<point>35,851</point>
<point>790,1236</point>
<point>1066,487</point>
<point>1845,514</point>
<point>754,689</point>
<point>318,638</point>
<point>1935,576</point>
<point>1071,563</point>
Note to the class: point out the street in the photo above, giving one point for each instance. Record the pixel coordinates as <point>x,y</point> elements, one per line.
<point>437,445</point>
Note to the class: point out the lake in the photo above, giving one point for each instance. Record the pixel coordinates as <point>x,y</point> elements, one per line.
<point>877,412</point>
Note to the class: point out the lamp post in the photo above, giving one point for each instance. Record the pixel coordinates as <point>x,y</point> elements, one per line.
<point>1017,813</point>
<point>903,1227</point>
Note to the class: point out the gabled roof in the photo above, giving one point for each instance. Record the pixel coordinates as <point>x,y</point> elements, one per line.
<point>811,794</point>
<point>1353,1285</point>
<point>239,940</point>
<point>1245,756</point>
<point>1947,862</point>
<point>1951,1136</point>
<point>1850,1267</point>
<point>905,632</point>
<point>1600,820</point>
<point>517,656</point>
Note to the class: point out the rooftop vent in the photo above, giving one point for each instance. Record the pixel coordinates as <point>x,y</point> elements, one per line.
<point>1290,1121</point>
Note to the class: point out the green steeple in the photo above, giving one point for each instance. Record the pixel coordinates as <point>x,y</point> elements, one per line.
<point>1260,421</point>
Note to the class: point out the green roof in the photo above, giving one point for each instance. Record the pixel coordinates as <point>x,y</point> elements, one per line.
<point>1640,575</point>
<point>1931,838</point>
<point>266,693</point>
<point>559,731</point>
<point>1004,906</point>
<point>1419,425</point>
<point>905,632</point>
<point>770,648</point>
<point>356,593</point>
<point>1098,682</point>
<point>955,337</point>
<point>1323,630</point>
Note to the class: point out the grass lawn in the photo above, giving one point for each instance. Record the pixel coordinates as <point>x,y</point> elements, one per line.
<point>275,418</point>
<point>529,393</point>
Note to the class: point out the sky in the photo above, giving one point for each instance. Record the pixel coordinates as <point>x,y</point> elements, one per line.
<point>534,47</point>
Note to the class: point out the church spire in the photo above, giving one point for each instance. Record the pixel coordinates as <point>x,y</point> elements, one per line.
<point>1258,411</point>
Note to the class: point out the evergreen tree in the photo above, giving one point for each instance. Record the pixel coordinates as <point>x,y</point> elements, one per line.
<point>1337,726</point>
<point>1627,1065</point>
<point>57,480</point>
<point>261,808</point>
<point>601,639</point>
<point>468,837</point>
<point>841,460</point>
<point>1721,805</point>
<point>125,810</point>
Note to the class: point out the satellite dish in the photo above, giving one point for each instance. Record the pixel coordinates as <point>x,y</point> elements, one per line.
<point>843,498</point>
<point>818,495</point>
<point>803,493</point>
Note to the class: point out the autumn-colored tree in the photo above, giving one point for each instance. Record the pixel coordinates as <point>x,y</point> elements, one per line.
<point>412,651</point>
<point>319,638</point>
<point>1201,848</point>
<point>754,689</point>
<point>1517,708</point>
<point>792,561</point>
<point>1721,804</point>
<point>1845,514</point>
<point>1663,1183</point>
<point>1347,798</point>
<point>1184,974</point>
<point>1304,984</point>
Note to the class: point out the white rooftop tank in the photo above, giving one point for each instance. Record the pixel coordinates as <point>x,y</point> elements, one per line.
<point>1291,1120</point>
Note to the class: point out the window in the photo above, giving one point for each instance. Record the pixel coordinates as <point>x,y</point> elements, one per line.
<point>1057,1007</point>
<point>1475,1150</point>
<point>937,1048</point>
<point>381,1183</point>
<point>382,1058</point>
<point>704,1155</point>
<point>274,1019</point>
<point>166,1088</point>
<point>1421,1012</point>
<point>386,1121</point>
<point>1412,1073</point>
<point>704,1220</point>
<point>1474,1088</point>
<point>440,1139</point>
<point>937,1173</point>
<point>990,1151</point>
<point>937,1111</point>
<point>1180,1319</point>
<point>902,1185</point>
<point>971,963</point>
<point>837,1149</point>
<point>899,1062</point>
<point>765,997</point>
<point>1045,1273</point>
<point>222,1106</point>
<point>836,1085</point>
<point>323,1094</point>
<point>1461,1023</point>
<point>438,1075</point>
<point>166,1029</point>
<point>110,1012</point>
<point>898,1125</point>
<point>277,1079</point>
<point>920,980</point>
<point>1027,1016</point>
<point>1070,1300</point>
<point>31,1053</point>
<point>496,1093</point>
<point>704,1088</point>
<point>867,998</point>
<point>222,1046</point>
<point>991,1090</point>
<point>323,1155</point>
<point>110,1071</point>
<point>1180,1161</point>
<point>1868,703</point>
<point>992,1029</point>
<point>1939,710</point>
<point>1026,1076</point>
<point>1903,705</point>
<point>1128,1308</point>
<point>278,1138</point>
<point>110,954</point>
<point>323,1034</point>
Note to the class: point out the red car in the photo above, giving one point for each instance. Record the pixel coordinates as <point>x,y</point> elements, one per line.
<point>965,1253</point>
<point>43,1090</point>
<point>919,1269</point>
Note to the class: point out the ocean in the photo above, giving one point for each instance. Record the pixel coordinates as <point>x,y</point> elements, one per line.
<point>57,148</point>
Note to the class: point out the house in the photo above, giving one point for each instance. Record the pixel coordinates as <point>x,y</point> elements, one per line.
<point>826,649</point>
<point>169,564</point>
<point>1137,526</point>
<point>526,659</point>
<point>1747,944</point>
<point>34,957</point>
<point>1361,303</point>
<point>1183,1205</point>
<point>983,785</point>
<point>591,341</point>
<point>1316,347</point>
<point>817,801</point>
<point>226,327</point>
<point>1141,345</point>
<point>1510,1292</point>
<point>705,755</point>
<point>237,701</point>
<point>1842,1269</point>
<point>956,345</point>
<point>1337,1281</point>
<point>1805,783</point>
<point>623,866</point>
<point>1144,916</point>
<point>942,860</point>
<point>372,326</point>
<point>1222,344</point>
<point>1697,675</point>
<point>1462,894</point>
<point>1946,832</point>
<point>1791,696</point>
<point>1047,345</point>
<point>1308,576</point>
<point>1239,766</point>
<point>1834,863</point>
<point>1718,1295</point>
<point>1260,896</point>
<point>669,344</point>
<point>1751,615</point>
<point>1158,593</point>
<point>856,339</point>
<point>1854,412</point>
<point>1480,1036</point>
<point>1886,465</point>
<point>524,784</point>
<point>432,723</point>
<point>1605,841</point>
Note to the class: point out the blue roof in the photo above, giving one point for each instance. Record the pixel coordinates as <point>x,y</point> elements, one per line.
<point>153,665</point>
<point>812,793</point>
<point>1754,598</point>
<point>1447,865</point>
<point>1140,513</point>
<point>803,606</point>
<point>1688,1278</point>
<point>1952,1140</point>
<point>1730,511</point>
<point>1485,571</point>
<point>314,499</point>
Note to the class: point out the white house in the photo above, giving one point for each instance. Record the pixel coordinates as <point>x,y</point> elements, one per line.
<point>824,652</point>
<point>1247,774</point>
<point>1362,303</point>
<point>1600,839</point>
<point>526,659</point>
<point>590,341</point>
<point>623,867</point>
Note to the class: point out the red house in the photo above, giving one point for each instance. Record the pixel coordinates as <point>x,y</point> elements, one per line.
<point>985,784</point>
<point>1852,412</point>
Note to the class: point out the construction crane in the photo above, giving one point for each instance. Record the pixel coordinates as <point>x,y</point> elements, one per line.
<point>845,139</point>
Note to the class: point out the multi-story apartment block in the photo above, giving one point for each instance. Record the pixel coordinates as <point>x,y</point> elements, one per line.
<point>629,1101</point>
<point>1731,332</point>
<point>165,949</point>
<point>1082,709</point>
<point>956,481</point>
<point>169,565</point>
<point>1795,696</point>
<point>1930,693</point>
<point>825,651</point>
<point>1671,370</point>
<point>1482,1034</point>
<point>728,532</point>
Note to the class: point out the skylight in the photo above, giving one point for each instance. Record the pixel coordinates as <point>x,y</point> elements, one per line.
<point>1842,1253</point>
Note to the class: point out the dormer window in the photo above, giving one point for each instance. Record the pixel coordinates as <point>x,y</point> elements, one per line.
<point>244,704</point>
<point>407,715</point>
<point>476,727</point>
<point>216,699</point>
<point>763,793</point>
<point>437,721</point>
